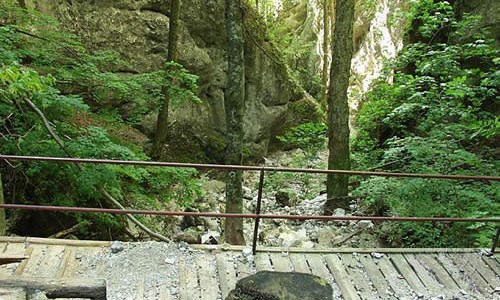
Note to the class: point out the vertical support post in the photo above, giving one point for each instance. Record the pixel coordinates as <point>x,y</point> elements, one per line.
<point>495,242</point>
<point>257,212</point>
<point>2,210</point>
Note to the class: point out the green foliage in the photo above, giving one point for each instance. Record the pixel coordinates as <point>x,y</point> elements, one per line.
<point>42,64</point>
<point>310,137</point>
<point>437,116</point>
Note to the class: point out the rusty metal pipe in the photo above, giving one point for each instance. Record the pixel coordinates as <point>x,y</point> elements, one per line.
<point>242,168</point>
<point>233,215</point>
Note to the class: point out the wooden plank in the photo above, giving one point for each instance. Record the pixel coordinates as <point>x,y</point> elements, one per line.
<point>471,273</point>
<point>139,289</point>
<point>341,277</point>
<point>376,277</point>
<point>226,247</point>
<point>50,262</point>
<point>12,249</point>
<point>427,278</point>
<point>227,272</point>
<point>67,267</point>
<point>483,269</point>
<point>243,268</point>
<point>188,280</point>
<point>405,269</point>
<point>299,263</point>
<point>451,288</point>
<point>20,268</point>
<point>95,289</point>
<point>463,281</point>
<point>280,261</point>
<point>317,265</point>
<point>358,275</point>
<point>36,257</point>
<point>208,277</point>
<point>493,263</point>
<point>262,262</point>
<point>397,282</point>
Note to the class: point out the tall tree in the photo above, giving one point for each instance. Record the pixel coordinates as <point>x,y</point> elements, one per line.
<point>162,122</point>
<point>234,102</point>
<point>328,16</point>
<point>338,108</point>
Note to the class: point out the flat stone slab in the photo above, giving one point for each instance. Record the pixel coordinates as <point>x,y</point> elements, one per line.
<point>267,285</point>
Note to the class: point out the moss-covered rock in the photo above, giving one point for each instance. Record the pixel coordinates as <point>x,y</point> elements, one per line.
<point>138,30</point>
<point>266,285</point>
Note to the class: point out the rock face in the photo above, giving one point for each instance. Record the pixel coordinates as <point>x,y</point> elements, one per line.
<point>138,30</point>
<point>267,285</point>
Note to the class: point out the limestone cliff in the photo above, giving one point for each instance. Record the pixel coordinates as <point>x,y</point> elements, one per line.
<point>138,30</point>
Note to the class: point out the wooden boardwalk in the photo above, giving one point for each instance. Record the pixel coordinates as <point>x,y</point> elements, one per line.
<point>210,272</point>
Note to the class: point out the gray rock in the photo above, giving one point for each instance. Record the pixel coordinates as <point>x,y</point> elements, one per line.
<point>267,285</point>
<point>116,247</point>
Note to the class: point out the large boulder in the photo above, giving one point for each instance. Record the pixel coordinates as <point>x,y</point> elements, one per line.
<point>266,285</point>
<point>138,30</point>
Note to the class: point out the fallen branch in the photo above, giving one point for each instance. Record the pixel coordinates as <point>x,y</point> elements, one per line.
<point>65,232</point>
<point>93,289</point>
<point>58,140</point>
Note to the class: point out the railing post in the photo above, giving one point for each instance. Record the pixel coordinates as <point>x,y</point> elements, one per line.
<point>495,242</point>
<point>257,212</point>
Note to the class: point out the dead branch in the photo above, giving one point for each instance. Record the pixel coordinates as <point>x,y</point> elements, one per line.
<point>52,133</point>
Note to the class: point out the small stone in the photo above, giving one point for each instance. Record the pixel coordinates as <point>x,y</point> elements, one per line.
<point>174,291</point>
<point>339,212</point>
<point>246,252</point>
<point>496,290</point>
<point>366,224</point>
<point>116,247</point>
<point>170,260</point>
<point>463,292</point>
<point>420,296</point>
<point>377,255</point>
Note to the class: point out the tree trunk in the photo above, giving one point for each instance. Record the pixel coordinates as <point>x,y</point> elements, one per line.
<point>162,122</point>
<point>338,108</point>
<point>234,101</point>
<point>326,48</point>
<point>2,211</point>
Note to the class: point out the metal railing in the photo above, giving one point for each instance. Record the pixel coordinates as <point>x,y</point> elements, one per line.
<point>257,215</point>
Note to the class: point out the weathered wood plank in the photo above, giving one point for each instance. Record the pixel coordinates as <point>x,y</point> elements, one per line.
<point>319,268</point>
<point>50,262</point>
<point>227,272</point>
<point>335,250</point>
<point>427,260</point>
<point>376,277</point>
<point>343,280</point>
<point>188,280</point>
<point>461,278</point>
<point>397,282</point>
<point>12,249</point>
<point>262,262</point>
<point>493,263</point>
<point>208,276</point>
<point>299,263</point>
<point>280,261</point>
<point>475,277</point>
<point>408,273</point>
<point>20,268</point>
<point>95,289</point>
<point>428,279</point>
<point>483,269</point>
<point>358,274</point>
<point>36,257</point>
<point>68,264</point>
<point>139,289</point>
<point>244,268</point>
